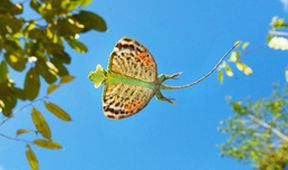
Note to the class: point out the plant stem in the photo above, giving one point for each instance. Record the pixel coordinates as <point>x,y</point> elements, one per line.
<point>24,107</point>
<point>14,138</point>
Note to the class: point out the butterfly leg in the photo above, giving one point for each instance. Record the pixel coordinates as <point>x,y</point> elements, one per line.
<point>164,77</point>
<point>160,97</point>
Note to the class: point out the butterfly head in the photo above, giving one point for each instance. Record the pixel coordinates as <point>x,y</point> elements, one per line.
<point>97,76</point>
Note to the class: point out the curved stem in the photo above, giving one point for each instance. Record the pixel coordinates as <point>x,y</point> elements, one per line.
<point>166,87</point>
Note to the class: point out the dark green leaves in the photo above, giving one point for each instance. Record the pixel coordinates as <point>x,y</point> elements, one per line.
<point>34,47</point>
<point>6,6</point>
<point>3,72</point>
<point>91,21</point>
<point>78,46</point>
<point>41,124</point>
<point>32,84</point>
<point>57,111</point>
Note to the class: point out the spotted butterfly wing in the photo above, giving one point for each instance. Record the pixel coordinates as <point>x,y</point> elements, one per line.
<point>130,59</point>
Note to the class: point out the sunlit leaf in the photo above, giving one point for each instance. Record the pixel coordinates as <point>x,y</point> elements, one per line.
<point>23,131</point>
<point>52,88</point>
<point>16,62</point>
<point>66,79</point>
<point>229,71</point>
<point>278,43</point>
<point>57,111</point>
<point>245,45</point>
<point>47,144</point>
<point>41,124</point>
<point>31,157</point>
<point>234,56</point>
<point>85,2</point>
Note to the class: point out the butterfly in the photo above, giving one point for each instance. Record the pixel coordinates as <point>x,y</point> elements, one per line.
<point>131,79</point>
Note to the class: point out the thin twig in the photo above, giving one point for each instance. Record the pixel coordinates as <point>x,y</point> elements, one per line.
<point>14,138</point>
<point>24,107</point>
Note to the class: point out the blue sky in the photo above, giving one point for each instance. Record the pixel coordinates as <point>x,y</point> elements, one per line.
<point>188,36</point>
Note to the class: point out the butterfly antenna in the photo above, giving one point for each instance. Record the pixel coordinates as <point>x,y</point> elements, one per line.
<point>165,87</point>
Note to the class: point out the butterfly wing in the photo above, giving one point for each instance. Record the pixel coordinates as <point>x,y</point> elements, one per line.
<point>131,59</point>
<point>122,100</point>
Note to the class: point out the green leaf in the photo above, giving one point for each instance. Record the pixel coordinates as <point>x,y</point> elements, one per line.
<point>229,71</point>
<point>245,45</point>
<point>47,144</point>
<point>52,88</point>
<point>16,62</point>
<point>41,124</point>
<point>220,76</point>
<point>8,98</point>
<point>78,46</point>
<point>85,2</point>
<point>235,56</point>
<point>32,159</point>
<point>57,111</point>
<point>3,72</point>
<point>23,131</point>
<point>66,79</point>
<point>90,21</point>
<point>32,84</point>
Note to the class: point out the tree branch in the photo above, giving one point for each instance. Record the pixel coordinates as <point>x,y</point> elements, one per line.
<point>24,107</point>
<point>277,132</point>
<point>279,33</point>
<point>15,138</point>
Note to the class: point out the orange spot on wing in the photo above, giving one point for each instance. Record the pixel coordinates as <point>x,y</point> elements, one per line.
<point>130,107</point>
<point>146,58</point>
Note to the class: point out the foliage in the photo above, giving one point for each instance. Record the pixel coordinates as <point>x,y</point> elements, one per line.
<point>35,49</point>
<point>275,159</point>
<point>277,39</point>
<point>257,129</point>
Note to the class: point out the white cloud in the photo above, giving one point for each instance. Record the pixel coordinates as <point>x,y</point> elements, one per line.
<point>1,167</point>
<point>285,3</point>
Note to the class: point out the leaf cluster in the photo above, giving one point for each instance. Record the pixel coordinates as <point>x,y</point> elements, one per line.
<point>35,49</point>
<point>256,128</point>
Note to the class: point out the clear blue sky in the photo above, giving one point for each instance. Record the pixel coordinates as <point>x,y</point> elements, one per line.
<point>184,35</point>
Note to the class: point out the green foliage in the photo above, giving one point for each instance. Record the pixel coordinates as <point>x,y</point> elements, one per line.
<point>275,159</point>
<point>35,49</point>
<point>256,128</point>
<point>277,39</point>
<point>235,58</point>
<point>278,35</point>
